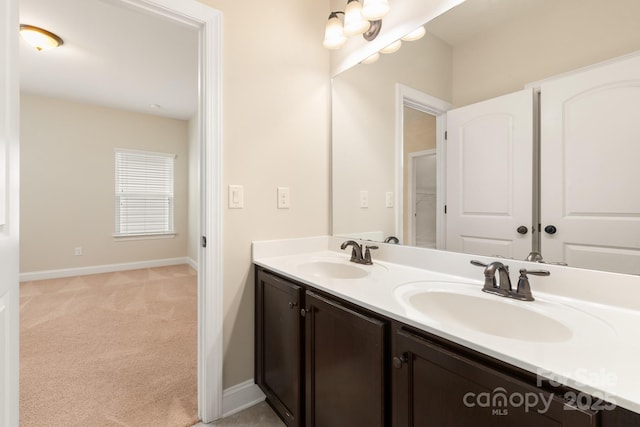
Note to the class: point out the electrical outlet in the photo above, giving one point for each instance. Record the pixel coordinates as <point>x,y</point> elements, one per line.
<point>78,251</point>
<point>284,198</point>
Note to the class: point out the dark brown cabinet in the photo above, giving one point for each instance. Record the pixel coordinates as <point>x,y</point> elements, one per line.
<point>437,387</point>
<point>345,365</point>
<point>344,357</point>
<point>279,354</point>
<point>325,362</point>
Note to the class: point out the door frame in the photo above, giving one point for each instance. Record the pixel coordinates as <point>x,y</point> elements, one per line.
<point>9,215</point>
<point>411,191</point>
<point>413,98</point>
<point>208,22</point>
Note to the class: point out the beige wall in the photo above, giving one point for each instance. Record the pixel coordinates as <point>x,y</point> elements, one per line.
<point>276,133</point>
<point>364,130</point>
<point>67,183</point>
<point>568,35</point>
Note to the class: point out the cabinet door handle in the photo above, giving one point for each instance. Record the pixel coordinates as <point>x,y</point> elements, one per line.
<point>293,304</point>
<point>303,312</point>
<point>398,361</point>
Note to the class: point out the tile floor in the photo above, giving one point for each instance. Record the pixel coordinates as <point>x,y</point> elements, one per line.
<point>260,415</point>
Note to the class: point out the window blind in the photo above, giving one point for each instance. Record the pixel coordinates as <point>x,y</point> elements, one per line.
<point>144,193</point>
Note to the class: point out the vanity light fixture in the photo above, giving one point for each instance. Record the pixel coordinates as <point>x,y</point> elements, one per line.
<point>371,59</point>
<point>393,47</point>
<point>40,38</point>
<point>416,34</point>
<point>356,22</point>
<point>375,9</point>
<point>334,36</point>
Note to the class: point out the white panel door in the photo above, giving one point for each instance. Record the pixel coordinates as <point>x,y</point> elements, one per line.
<point>489,176</point>
<point>590,164</point>
<point>9,192</point>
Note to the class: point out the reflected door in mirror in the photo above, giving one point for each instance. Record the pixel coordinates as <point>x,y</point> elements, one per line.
<point>590,149</point>
<point>489,176</point>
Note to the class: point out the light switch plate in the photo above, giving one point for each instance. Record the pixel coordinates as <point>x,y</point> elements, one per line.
<point>389,199</point>
<point>284,198</point>
<point>236,196</point>
<point>364,199</point>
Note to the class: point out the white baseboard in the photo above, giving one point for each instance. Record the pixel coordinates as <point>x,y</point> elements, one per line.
<point>96,269</point>
<point>193,263</point>
<point>240,396</point>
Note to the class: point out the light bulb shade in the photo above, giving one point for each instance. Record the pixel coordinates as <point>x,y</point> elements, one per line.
<point>354,23</point>
<point>334,36</point>
<point>371,59</point>
<point>393,47</point>
<point>40,38</point>
<point>416,34</point>
<point>373,10</point>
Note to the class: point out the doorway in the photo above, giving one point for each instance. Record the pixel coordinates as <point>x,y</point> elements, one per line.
<point>207,22</point>
<point>420,173</point>
<point>422,193</point>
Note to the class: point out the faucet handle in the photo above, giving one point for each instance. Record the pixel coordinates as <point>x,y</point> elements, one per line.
<point>523,291</point>
<point>534,272</point>
<point>478,263</point>
<point>367,254</point>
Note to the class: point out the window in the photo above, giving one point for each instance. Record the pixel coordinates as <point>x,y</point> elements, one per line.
<point>144,193</point>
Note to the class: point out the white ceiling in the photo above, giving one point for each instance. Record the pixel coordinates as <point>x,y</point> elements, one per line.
<point>113,55</point>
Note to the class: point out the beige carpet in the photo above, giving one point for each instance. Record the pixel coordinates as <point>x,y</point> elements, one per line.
<point>115,349</point>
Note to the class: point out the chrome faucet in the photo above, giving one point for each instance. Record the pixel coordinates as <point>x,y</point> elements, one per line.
<point>356,252</point>
<point>392,239</point>
<point>503,288</point>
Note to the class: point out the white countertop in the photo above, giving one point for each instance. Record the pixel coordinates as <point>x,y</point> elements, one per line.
<point>602,357</point>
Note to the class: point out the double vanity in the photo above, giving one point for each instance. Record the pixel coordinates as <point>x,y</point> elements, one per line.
<point>412,340</point>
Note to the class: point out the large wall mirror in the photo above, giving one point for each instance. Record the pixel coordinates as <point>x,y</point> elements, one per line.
<point>389,117</point>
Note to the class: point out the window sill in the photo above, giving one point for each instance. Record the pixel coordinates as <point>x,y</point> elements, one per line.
<point>150,236</point>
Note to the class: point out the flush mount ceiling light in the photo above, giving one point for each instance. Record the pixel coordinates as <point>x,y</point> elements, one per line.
<point>356,22</point>
<point>40,38</point>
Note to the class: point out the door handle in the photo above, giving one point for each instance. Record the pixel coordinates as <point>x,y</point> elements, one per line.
<point>550,229</point>
<point>522,230</point>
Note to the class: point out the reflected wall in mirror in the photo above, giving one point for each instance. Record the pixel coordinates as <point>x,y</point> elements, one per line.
<point>479,50</point>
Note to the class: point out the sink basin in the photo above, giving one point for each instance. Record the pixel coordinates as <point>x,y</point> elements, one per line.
<point>332,270</point>
<point>465,306</point>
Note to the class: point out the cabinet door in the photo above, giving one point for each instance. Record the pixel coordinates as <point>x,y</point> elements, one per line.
<point>345,357</point>
<point>279,345</point>
<point>436,387</point>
